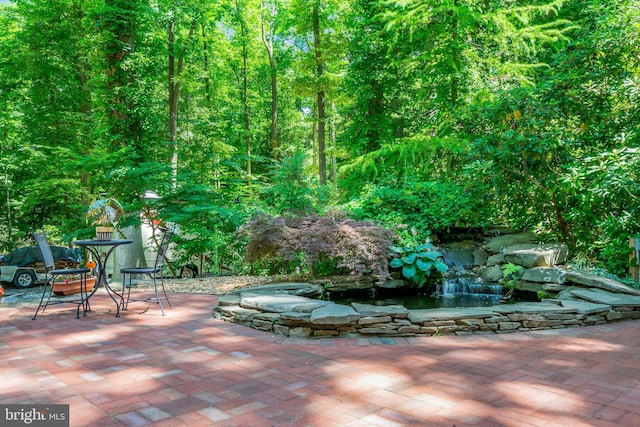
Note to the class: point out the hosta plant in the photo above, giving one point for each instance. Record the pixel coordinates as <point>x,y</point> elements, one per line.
<point>417,262</point>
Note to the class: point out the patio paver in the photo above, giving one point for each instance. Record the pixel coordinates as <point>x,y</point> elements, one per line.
<point>188,369</point>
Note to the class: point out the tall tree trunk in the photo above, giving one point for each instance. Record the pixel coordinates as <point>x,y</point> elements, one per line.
<point>245,89</point>
<point>332,132</point>
<point>119,31</point>
<point>322,155</point>
<point>314,135</point>
<point>5,138</point>
<point>245,106</point>
<point>205,50</point>
<point>267,40</point>
<point>174,91</point>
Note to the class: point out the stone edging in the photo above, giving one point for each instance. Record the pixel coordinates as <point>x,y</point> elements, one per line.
<point>294,316</point>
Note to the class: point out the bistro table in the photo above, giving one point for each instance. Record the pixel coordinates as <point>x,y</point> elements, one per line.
<point>101,250</point>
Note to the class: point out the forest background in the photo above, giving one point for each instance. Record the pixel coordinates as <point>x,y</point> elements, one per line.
<point>419,115</point>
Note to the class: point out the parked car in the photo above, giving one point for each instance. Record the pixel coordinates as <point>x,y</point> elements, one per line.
<point>24,268</point>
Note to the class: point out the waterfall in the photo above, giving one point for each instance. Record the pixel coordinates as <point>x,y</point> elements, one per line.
<point>462,286</point>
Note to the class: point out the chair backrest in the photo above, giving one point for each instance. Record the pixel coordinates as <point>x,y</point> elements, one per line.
<point>45,250</point>
<point>163,248</point>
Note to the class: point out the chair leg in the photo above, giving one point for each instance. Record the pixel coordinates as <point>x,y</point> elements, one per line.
<point>126,302</point>
<point>44,291</point>
<point>84,295</point>
<point>123,303</point>
<point>165,292</point>
<point>155,285</point>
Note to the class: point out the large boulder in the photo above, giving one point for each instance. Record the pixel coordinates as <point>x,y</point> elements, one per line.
<point>498,243</point>
<point>458,257</point>
<point>536,287</point>
<point>492,274</point>
<point>544,275</point>
<point>531,255</point>
<point>459,254</point>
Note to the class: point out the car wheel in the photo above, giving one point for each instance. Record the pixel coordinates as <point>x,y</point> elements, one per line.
<point>24,279</point>
<point>187,273</point>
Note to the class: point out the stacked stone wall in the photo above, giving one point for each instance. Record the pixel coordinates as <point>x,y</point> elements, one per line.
<point>397,321</point>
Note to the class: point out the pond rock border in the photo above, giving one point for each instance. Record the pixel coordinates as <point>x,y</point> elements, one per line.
<point>570,298</point>
<point>281,309</point>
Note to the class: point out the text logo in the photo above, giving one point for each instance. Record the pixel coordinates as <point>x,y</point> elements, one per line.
<point>34,415</point>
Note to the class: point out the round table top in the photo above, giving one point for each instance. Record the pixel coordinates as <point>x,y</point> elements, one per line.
<point>95,242</point>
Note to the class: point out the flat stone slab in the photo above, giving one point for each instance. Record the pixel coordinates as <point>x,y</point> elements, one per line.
<point>600,282</point>
<point>236,310</point>
<point>431,314</point>
<point>380,310</point>
<point>586,307</point>
<point>531,307</point>
<point>287,288</point>
<point>229,300</point>
<point>278,303</point>
<point>334,314</point>
<point>600,296</point>
<point>295,316</point>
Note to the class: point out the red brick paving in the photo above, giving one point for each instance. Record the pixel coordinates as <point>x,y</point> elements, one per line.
<point>188,369</point>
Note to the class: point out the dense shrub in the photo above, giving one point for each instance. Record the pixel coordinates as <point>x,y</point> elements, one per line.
<point>419,208</point>
<point>347,246</point>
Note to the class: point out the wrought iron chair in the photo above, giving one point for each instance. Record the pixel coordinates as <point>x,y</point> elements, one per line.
<point>155,272</point>
<point>50,276</point>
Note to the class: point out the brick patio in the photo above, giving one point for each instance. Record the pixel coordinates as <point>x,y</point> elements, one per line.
<point>188,369</point>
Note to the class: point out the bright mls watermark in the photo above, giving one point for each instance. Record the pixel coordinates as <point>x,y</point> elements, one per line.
<point>34,415</point>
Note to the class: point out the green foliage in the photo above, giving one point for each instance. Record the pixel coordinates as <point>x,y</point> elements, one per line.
<point>417,262</point>
<point>206,221</point>
<point>290,189</point>
<point>438,115</point>
<point>542,295</point>
<point>510,274</point>
<point>418,208</point>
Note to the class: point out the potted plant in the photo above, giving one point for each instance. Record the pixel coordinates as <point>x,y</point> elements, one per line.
<point>71,284</point>
<point>104,214</point>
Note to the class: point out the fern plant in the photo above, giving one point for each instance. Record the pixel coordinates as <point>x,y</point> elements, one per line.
<point>509,276</point>
<point>417,262</point>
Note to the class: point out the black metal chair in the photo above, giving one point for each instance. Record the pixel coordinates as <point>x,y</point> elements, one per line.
<point>155,272</point>
<point>50,276</point>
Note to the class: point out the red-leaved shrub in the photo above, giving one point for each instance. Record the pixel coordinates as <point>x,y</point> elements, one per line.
<point>359,247</point>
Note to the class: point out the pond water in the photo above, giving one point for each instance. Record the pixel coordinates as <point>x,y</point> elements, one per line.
<point>480,295</point>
